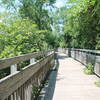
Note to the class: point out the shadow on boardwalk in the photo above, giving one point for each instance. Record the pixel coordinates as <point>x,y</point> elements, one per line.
<point>48,91</point>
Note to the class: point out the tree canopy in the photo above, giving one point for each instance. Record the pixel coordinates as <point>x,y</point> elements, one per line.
<point>82,24</point>
<point>34,25</point>
<point>25,27</point>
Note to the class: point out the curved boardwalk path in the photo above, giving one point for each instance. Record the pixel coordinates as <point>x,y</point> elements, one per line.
<point>70,83</point>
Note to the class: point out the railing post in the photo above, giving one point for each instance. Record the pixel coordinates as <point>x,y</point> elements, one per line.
<point>29,89</point>
<point>32,60</point>
<point>13,68</point>
<point>97,66</point>
<point>69,52</point>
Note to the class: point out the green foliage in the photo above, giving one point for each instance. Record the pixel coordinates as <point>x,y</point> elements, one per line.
<point>89,69</point>
<point>83,24</point>
<point>35,10</point>
<point>35,91</point>
<point>27,31</point>
<point>18,38</point>
<point>98,42</point>
<point>52,39</point>
<point>97,83</point>
<point>4,72</point>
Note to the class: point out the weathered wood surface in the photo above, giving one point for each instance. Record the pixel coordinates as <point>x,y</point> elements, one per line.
<point>4,63</point>
<point>18,85</point>
<point>86,57</point>
<point>70,82</point>
<point>87,50</point>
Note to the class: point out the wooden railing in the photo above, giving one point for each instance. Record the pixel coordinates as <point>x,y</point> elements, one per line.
<point>19,84</point>
<point>86,56</point>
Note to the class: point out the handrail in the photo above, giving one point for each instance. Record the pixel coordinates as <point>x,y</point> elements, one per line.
<point>6,62</point>
<point>19,84</point>
<point>87,50</point>
<point>86,56</point>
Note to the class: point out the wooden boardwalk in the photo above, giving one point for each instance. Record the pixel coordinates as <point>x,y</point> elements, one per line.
<point>70,83</point>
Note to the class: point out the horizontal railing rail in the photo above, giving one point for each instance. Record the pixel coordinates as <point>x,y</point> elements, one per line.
<point>6,62</point>
<point>19,85</point>
<point>87,50</point>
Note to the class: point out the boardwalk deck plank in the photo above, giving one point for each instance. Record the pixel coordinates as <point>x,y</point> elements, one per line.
<point>70,83</point>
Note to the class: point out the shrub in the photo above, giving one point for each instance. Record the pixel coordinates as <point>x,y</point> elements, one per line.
<point>35,91</point>
<point>97,83</point>
<point>89,69</point>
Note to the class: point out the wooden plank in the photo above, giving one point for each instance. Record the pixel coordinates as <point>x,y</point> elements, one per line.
<point>10,84</point>
<point>70,83</point>
<point>4,63</point>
